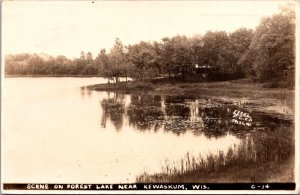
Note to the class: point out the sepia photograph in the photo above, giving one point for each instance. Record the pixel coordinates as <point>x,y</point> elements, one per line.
<point>150,97</point>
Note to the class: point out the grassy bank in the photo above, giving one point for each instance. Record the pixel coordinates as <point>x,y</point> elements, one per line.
<point>246,173</point>
<point>235,88</point>
<point>255,160</point>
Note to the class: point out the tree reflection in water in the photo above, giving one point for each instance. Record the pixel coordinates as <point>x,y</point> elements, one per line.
<point>179,114</point>
<point>113,108</point>
<point>145,113</point>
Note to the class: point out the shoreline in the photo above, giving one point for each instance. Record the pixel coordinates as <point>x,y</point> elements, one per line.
<point>242,88</point>
<point>25,76</point>
<point>278,101</point>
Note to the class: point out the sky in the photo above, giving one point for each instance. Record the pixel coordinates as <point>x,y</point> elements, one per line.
<point>69,27</point>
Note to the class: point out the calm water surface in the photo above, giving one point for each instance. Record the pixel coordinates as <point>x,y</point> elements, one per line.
<point>55,130</point>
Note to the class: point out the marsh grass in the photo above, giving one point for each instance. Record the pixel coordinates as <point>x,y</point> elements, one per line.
<point>261,157</point>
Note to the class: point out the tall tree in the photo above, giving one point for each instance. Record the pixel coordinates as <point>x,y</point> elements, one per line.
<point>101,62</point>
<point>273,46</point>
<point>181,56</point>
<point>144,57</point>
<point>89,68</point>
<point>214,51</point>
<point>240,41</point>
<point>116,61</point>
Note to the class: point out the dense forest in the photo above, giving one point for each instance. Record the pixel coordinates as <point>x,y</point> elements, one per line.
<point>266,53</point>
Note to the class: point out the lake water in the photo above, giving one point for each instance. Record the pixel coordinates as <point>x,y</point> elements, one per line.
<point>54,130</point>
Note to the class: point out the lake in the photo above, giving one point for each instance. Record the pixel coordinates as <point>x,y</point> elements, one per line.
<point>56,130</point>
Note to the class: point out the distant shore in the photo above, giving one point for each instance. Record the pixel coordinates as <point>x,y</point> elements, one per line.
<point>14,76</point>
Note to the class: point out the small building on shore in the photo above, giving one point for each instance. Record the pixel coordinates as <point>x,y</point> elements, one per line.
<point>203,70</point>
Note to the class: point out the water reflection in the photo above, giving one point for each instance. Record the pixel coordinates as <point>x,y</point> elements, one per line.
<point>85,92</point>
<point>112,138</point>
<point>113,108</point>
<point>178,114</point>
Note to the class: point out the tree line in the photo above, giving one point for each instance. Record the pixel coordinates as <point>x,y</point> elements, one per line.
<point>267,53</point>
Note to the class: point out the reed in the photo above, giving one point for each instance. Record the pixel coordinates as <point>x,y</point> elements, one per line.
<point>261,157</point>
